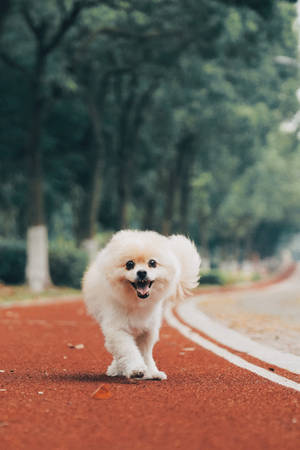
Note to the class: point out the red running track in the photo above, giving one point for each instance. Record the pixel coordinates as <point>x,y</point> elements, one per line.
<point>207,403</point>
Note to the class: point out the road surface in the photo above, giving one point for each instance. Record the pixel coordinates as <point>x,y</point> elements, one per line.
<point>46,387</point>
<point>270,316</point>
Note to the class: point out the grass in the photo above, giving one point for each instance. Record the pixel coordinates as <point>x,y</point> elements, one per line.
<point>22,292</point>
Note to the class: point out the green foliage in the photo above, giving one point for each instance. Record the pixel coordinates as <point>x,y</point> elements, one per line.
<point>67,265</point>
<point>13,259</point>
<point>212,277</point>
<point>103,238</point>
<point>176,108</point>
<point>224,278</point>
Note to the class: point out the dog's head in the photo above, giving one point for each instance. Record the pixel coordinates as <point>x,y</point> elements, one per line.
<point>141,266</point>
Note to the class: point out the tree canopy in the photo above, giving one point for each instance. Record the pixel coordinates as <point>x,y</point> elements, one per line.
<point>150,114</point>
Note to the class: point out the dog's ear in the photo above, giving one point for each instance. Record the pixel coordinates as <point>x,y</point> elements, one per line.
<point>189,259</point>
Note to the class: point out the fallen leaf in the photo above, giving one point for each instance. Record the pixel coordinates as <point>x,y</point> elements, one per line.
<point>102,392</point>
<point>78,346</point>
<point>189,349</point>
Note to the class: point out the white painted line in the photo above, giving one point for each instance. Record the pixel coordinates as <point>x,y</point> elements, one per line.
<point>225,354</point>
<point>191,314</point>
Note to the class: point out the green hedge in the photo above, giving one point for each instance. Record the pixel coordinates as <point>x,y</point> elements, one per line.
<point>212,277</point>
<point>12,261</point>
<point>67,263</point>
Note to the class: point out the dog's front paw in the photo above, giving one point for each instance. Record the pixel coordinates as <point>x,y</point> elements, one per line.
<point>113,370</point>
<point>137,372</point>
<point>156,375</point>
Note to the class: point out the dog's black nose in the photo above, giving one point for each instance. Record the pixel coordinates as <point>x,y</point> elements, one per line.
<point>141,274</point>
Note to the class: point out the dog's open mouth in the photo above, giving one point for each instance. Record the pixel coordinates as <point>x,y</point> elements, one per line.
<point>142,288</point>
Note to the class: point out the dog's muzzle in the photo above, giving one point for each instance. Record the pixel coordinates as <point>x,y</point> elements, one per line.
<point>142,287</point>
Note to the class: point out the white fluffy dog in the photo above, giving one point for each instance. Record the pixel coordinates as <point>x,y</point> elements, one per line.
<point>125,288</point>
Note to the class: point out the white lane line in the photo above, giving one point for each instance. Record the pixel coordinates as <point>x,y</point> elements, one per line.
<point>191,314</point>
<point>225,354</point>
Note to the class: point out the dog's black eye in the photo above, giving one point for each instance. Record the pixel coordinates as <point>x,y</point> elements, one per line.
<point>152,263</point>
<point>130,265</point>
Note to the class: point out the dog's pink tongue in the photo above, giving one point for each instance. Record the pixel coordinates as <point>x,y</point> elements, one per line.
<point>143,290</point>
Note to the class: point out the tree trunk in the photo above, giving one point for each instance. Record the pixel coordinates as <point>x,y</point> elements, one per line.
<point>122,152</point>
<point>37,266</point>
<point>185,187</point>
<point>149,214</point>
<point>34,167</point>
<point>4,10</point>
<point>93,190</point>
<point>122,189</point>
<point>90,206</point>
<point>169,205</point>
<point>91,203</point>
<point>171,191</point>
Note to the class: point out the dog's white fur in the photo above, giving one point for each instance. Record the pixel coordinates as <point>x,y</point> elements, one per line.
<point>131,324</point>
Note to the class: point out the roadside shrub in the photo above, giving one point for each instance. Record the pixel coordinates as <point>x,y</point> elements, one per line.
<point>212,277</point>
<point>66,263</point>
<point>12,261</point>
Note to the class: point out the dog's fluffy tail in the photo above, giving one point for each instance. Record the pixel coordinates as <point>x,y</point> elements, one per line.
<point>189,259</point>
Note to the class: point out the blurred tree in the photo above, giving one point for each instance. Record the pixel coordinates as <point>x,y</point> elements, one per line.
<point>46,27</point>
<point>118,66</point>
<point>157,114</point>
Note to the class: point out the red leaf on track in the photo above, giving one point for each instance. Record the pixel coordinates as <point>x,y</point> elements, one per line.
<point>101,393</point>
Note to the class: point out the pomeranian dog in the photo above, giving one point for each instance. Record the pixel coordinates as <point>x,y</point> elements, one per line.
<point>125,289</point>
